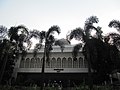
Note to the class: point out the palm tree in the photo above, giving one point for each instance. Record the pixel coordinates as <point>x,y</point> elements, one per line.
<point>48,39</point>
<point>84,35</point>
<point>115,43</point>
<point>37,35</point>
<point>12,46</point>
<point>7,50</point>
<point>115,36</point>
<point>115,24</point>
<point>19,35</point>
<point>3,32</point>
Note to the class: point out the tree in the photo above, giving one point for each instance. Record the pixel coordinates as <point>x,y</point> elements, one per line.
<point>18,34</point>
<point>48,39</point>
<point>3,32</point>
<point>115,24</point>
<point>114,40</point>
<point>6,49</point>
<point>115,36</point>
<point>11,48</point>
<point>8,56</point>
<point>37,35</point>
<point>85,36</point>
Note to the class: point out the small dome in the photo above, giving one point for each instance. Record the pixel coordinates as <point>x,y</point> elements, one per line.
<point>62,42</point>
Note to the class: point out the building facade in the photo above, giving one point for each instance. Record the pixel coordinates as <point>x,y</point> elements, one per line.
<point>60,68</point>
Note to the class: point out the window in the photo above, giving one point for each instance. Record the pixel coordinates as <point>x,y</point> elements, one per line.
<point>27,63</point>
<point>69,62</point>
<point>38,62</point>
<point>53,63</point>
<point>58,62</point>
<point>64,63</point>
<point>32,63</point>
<point>22,63</point>
<point>75,63</point>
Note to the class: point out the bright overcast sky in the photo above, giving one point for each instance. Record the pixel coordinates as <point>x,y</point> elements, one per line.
<point>68,14</point>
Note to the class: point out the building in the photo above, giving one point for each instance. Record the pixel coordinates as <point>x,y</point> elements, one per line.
<point>61,68</point>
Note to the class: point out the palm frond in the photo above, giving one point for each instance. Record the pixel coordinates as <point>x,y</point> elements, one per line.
<point>24,29</point>
<point>115,24</point>
<point>34,33</point>
<point>12,34</point>
<point>37,47</point>
<point>77,33</point>
<point>99,32</point>
<point>88,29</point>
<point>89,25</point>
<point>12,30</point>
<point>42,34</point>
<point>114,36</point>
<point>52,29</point>
<point>76,49</point>
<point>3,31</point>
<point>91,20</point>
<point>37,34</point>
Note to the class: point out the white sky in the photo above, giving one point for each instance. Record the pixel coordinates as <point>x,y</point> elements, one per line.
<point>68,14</point>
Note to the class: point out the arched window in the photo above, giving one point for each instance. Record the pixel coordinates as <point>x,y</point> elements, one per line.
<point>38,62</point>
<point>81,62</point>
<point>32,63</point>
<point>22,63</point>
<point>53,63</point>
<point>47,65</point>
<point>69,62</point>
<point>75,63</point>
<point>35,62</point>
<point>58,62</point>
<point>64,63</point>
<point>27,63</point>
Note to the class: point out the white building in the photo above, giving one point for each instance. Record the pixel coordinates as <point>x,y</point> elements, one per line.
<point>62,67</point>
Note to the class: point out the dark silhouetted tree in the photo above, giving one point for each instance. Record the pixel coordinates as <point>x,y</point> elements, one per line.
<point>48,39</point>
<point>85,36</point>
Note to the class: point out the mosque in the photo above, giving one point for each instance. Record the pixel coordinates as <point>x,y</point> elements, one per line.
<point>61,68</point>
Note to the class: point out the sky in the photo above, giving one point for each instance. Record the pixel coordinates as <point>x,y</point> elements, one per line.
<point>67,14</point>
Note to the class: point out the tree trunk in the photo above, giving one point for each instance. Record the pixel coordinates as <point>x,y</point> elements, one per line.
<point>3,68</point>
<point>43,68</point>
<point>90,81</point>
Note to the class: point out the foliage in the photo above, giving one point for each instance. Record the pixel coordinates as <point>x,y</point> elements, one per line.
<point>6,66</point>
<point>101,52</point>
<point>44,36</point>
<point>19,35</point>
<point>76,49</point>
<point>9,51</point>
<point>102,56</point>
<point>3,32</point>
<point>115,24</point>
